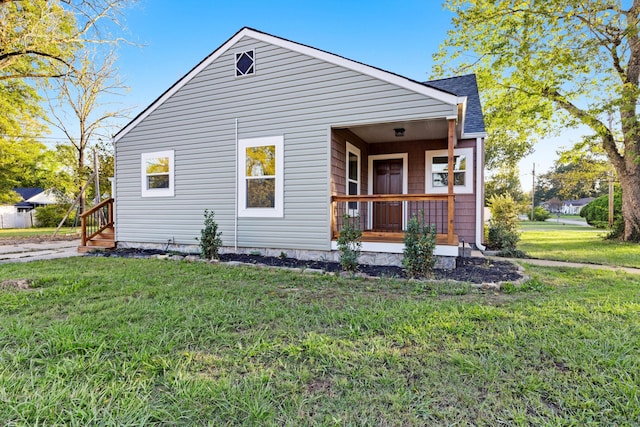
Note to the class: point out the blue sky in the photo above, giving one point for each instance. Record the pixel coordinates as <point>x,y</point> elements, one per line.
<point>399,36</point>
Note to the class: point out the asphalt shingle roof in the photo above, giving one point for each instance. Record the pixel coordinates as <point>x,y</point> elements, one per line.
<point>26,194</point>
<point>464,86</point>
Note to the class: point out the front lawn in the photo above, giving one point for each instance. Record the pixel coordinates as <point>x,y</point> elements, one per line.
<point>576,244</point>
<point>136,341</point>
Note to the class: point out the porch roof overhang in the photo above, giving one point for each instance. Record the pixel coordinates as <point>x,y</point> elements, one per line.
<point>413,130</point>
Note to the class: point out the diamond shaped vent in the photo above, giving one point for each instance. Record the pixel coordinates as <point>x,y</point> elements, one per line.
<point>245,63</point>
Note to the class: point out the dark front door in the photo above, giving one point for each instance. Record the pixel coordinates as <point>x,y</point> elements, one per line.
<point>387,179</point>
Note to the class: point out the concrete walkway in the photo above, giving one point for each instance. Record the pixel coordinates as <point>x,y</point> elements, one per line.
<point>549,263</point>
<point>23,252</point>
<point>568,222</point>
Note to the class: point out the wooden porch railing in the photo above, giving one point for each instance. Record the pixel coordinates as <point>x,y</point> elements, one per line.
<point>96,220</point>
<point>383,216</point>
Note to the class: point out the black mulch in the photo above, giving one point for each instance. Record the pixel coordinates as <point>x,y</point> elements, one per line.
<point>472,270</point>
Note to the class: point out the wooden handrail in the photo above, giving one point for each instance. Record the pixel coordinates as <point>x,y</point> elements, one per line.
<point>389,198</point>
<point>97,207</point>
<point>450,236</point>
<point>107,223</point>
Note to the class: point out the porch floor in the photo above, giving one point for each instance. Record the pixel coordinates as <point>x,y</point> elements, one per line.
<point>398,237</point>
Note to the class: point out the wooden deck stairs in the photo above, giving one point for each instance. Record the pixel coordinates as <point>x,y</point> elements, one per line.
<point>98,232</point>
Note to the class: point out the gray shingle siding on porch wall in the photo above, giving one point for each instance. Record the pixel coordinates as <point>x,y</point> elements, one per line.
<point>291,94</point>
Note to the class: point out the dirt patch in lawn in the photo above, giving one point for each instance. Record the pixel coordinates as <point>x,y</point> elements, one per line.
<point>14,240</point>
<point>16,284</point>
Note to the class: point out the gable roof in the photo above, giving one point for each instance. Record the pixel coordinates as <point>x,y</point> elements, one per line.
<point>27,193</point>
<point>579,202</point>
<point>34,196</point>
<point>465,85</point>
<point>431,91</point>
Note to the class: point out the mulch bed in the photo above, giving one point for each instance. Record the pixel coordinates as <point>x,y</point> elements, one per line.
<point>471,270</point>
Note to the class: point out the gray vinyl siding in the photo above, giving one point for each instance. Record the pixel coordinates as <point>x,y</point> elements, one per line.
<point>294,95</point>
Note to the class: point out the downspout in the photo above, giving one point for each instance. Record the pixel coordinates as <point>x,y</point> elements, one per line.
<point>479,187</point>
<point>235,225</point>
<point>114,188</point>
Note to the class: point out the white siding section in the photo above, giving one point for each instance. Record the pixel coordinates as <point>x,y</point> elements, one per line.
<point>291,94</point>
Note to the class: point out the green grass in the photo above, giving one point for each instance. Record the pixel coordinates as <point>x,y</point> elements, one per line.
<point>28,232</point>
<point>129,342</point>
<point>576,244</point>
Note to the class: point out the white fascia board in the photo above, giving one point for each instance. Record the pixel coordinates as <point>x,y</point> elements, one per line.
<point>463,113</point>
<point>296,47</point>
<point>474,135</point>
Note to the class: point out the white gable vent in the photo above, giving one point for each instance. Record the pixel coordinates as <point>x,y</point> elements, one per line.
<point>245,63</point>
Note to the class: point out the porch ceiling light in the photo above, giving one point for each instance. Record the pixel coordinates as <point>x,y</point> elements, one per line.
<point>399,132</point>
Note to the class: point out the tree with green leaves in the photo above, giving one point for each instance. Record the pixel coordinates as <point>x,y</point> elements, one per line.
<point>40,40</point>
<point>577,173</point>
<point>544,65</point>
<point>505,181</point>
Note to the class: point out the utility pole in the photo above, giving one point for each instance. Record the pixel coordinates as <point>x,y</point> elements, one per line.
<point>533,192</point>
<point>610,199</point>
<point>97,197</point>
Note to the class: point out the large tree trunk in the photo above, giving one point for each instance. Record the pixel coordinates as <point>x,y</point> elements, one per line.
<point>630,185</point>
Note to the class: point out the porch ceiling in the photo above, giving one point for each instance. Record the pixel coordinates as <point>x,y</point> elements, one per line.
<point>413,131</point>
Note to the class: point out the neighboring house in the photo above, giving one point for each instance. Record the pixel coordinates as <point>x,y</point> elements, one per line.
<point>573,207</point>
<point>283,140</point>
<point>21,215</point>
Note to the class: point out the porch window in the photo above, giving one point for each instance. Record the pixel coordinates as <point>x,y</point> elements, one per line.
<point>157,174</point>
<point>352,174</point>
<point>437,178</point>
<point>260,186</point>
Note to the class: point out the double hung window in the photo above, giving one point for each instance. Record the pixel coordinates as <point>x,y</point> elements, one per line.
<point>437,171</point>
<point>157,174</point>
<point>260,181</point>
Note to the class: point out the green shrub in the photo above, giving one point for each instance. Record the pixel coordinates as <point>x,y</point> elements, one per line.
<point>504,224</point>
<point>539,214</point>
<point>210,241</point>
<point>51,215</point>
<point>419,245</point>
<point>500,237</point>
<point>349,243</point>
<point>596,212</point>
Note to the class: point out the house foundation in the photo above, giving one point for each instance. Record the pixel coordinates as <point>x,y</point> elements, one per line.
<point>367,258</point>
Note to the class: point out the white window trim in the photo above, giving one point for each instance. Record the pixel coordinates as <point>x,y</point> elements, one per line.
<point>354,150</point>
<point>278,210</point>
<point>405,182</point>
<point>467,188</point>
<point>157,192</point>
<point>235,64</point>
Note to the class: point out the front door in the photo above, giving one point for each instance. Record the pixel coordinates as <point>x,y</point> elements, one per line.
<point>387,179</point>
